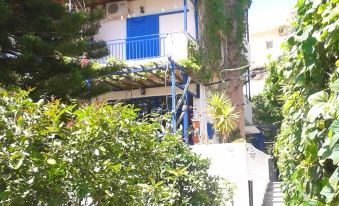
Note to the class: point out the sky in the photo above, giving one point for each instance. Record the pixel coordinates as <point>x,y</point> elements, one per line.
<point>267,13</point>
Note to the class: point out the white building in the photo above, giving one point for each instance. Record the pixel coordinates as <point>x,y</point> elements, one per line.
<point>141,31</point>
<point>144,29</point>
<point>267,31</point>
<point>158,31</point>
<point>267,43</point>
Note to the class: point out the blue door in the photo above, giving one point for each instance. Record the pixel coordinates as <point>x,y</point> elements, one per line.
<point>142,37</point>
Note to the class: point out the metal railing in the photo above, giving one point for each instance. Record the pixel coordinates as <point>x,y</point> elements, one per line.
<point>136,48</point>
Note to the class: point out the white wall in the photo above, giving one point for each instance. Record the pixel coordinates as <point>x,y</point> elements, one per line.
<point>259,52</point>
<point>116,28</point>
<point>248,111</point>
<point>234,162</point>
<point>191,19</point>
<point>258,172</point>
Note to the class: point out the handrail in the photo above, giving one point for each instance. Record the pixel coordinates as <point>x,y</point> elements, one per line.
<point>136,37</point>
<point>160,35</point>
<point>143,47</point>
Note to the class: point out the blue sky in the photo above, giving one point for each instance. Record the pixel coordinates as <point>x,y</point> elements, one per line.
<point>265,13</point>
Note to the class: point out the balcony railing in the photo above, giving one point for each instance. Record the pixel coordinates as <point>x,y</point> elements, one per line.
<point>137,48</point>
<point>148,47</point>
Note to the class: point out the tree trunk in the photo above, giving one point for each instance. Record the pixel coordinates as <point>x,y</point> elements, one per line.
<point>232,59</point>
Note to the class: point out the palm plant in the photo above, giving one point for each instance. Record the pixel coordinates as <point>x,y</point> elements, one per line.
<point>224,115</point>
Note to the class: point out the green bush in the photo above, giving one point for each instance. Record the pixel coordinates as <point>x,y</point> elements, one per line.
<point>307,146</point>
<point>57,154</point>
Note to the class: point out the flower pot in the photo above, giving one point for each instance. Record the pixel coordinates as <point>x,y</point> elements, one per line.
<point>196,124</point>
<point>195,139</point>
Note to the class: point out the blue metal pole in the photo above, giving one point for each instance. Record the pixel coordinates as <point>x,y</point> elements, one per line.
<point>185,16</point>
<point>174,112</point>
<point>186,118</point>
<point>196,18</point>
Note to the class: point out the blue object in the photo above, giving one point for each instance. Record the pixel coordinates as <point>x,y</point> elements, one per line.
<point>174,115</point>
<point>210,131</point>
<point>186,118</point>
<point>142,37</point>
<point>196,19</point>
<point>185,16</point>
<point>258,141</point>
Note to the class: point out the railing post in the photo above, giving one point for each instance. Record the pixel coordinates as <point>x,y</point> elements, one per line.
<point>185,16</point>
<point>173,109</point>
<point>186,118</point>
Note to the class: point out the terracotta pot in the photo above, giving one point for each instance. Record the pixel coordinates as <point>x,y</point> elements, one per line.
<point>195,139</point>
<point>196,124</point>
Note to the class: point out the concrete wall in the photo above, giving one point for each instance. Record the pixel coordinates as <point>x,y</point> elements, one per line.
<point>238,163</point>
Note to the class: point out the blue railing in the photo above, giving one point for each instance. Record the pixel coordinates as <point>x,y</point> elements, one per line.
<point>137,48</point>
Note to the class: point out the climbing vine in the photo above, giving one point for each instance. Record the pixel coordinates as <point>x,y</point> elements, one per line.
<point>223,22</point>
<point>307,146</point>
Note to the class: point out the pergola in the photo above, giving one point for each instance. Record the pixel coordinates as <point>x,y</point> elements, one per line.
<point>155,75</point>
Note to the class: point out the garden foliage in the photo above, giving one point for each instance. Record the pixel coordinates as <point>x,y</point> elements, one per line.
<point>307,146</point>
<point>57,154</point>
<point>46,47</point>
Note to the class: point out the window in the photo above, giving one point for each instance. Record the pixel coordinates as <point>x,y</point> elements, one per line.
<point>269,44</point>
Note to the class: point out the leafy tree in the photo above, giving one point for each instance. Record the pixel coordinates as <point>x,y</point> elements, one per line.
<point>307,144</point>
<point>43,46</point>
<point>57,154</point>
<point>267,105</point>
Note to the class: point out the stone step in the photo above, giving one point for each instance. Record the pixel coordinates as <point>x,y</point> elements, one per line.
<point>273,204</point>
<point>273,188</point>
<point>277,188</point>
<point>274,199</point>
<point>274,185</point>
<point>274,195</point>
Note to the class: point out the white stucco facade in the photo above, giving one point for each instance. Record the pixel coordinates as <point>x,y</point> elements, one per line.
<point>238,163</point>
<point>267,43</point>
<point>171,25</point>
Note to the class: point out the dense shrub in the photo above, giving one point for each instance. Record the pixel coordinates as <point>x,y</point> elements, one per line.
<point>307,146</point>
<point>56,154</point>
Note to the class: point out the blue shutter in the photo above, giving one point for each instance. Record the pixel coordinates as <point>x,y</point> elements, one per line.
<point>142,37</point>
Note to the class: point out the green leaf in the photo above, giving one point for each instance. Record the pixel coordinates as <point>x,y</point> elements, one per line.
<point>51,161</point>
<point>335,154</point>
<point>18,165</point>
<point>335,126</point>
<point>334,179</point>
<point>305,36</point>
<point>335,86</point>
<point>300,3</point>
<point>334,140</point>
<point>328,193</point>
<point>319,97</point>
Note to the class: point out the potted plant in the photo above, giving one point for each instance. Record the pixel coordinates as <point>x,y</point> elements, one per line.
<point>224,115</point>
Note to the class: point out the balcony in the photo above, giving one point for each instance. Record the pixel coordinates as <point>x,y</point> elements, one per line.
<point>149,47</point>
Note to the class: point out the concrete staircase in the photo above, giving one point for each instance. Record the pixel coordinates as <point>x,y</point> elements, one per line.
<point>274,195</point>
